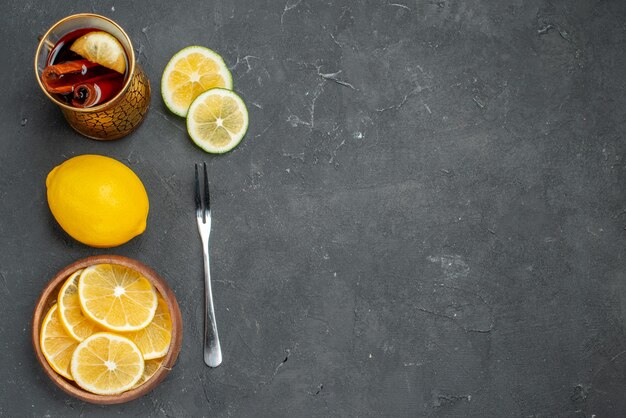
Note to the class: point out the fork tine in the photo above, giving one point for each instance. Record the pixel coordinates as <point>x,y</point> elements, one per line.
<point>207,199</point>
<point>198,201</point>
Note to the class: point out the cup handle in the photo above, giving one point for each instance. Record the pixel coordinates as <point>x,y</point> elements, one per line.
<point>49,44</point>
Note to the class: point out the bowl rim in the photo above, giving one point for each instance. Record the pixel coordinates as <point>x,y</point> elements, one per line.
<point>168,361</point>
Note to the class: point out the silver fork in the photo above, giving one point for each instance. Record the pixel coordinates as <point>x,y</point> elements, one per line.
<point>212,349</point>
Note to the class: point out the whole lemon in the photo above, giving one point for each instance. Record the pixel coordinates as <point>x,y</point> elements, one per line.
<point>97,200</point>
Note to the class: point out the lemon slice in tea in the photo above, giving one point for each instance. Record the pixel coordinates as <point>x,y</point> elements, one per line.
<point>56,345</point>
<point>116,297</point>
<point>190,72</point>
<point>77,325</point>
<point>107,364</point>
<point>101,48</point>
<point>217,120</point>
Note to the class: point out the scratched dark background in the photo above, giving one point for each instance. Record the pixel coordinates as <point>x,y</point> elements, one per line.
<point>427,216</point>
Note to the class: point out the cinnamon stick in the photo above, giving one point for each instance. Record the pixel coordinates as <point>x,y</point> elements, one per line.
<point>97,90</point>
<point>61,78</point>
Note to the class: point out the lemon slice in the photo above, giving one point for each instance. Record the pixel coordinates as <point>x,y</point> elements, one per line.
<point>217,120</point>
<point>191,71</point>
<point>56,345</point>
<point>151,367</point>
<point>77,325</point>
<point>154,340</point>
<point>116,297</point>
<point>101,48</point>
<point>107,364</point>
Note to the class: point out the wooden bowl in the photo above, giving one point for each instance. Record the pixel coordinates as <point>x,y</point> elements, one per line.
<point>48,298</point>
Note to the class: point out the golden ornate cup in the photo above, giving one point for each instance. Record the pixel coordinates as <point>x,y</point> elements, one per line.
<point>117,117</point>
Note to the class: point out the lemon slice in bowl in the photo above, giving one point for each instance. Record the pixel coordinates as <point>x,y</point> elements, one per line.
<point>77,325</point>
<point>102,48</point>
<point>154,340</point>
<point>116,297</point>
<point>190,72</point>
<point>107,364</point>
<point>151,367</point>
<point>56,345</point>
<point>217,120</point>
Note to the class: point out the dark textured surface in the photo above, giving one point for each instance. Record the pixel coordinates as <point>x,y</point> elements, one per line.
<point>426,218</point>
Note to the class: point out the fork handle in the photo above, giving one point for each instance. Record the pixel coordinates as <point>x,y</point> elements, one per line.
<point>212,348</point>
